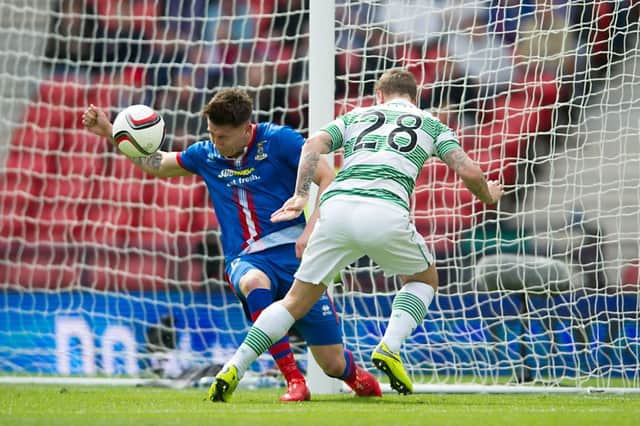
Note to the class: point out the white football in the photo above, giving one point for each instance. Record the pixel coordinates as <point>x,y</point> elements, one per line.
<point>138,131</point>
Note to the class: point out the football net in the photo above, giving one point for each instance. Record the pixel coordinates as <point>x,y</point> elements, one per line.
<point>106,271</point>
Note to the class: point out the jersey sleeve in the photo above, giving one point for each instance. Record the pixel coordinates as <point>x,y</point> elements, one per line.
<point>191,158</point>
<point>336,130</point>
<point>444,139</point>
<point>288,146</point>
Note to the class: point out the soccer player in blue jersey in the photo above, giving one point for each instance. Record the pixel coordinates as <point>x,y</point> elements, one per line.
<point>250,171</point>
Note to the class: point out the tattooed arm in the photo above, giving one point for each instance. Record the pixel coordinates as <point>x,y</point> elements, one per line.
<point>160,164</point>
<point>310,158</point>
<point>323,177</point>
<point>488,192</point>
<point>312,150</point>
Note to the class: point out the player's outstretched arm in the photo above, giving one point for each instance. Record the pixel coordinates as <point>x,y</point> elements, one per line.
<point>310,157</point>
<point>160,164</point>
<point>488,192</point>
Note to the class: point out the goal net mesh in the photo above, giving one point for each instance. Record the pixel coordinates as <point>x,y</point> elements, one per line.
<point>104,270</point>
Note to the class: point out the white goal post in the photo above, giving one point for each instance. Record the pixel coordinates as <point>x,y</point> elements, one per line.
<point>321,100</point>
<point>109,276</point>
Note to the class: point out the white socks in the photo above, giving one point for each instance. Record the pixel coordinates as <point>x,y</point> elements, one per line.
<point>272,324</point>
<point>408,311</point>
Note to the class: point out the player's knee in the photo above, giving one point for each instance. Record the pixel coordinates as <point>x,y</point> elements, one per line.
<point>296,307</point>
<point>252,280</point>
<point>301,297</point>
<point>428,276</point>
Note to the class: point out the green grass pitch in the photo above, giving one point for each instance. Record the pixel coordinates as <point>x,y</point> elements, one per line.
<point>83,405</point>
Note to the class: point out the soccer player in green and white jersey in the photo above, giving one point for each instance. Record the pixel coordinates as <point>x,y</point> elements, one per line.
<point>366,211</point>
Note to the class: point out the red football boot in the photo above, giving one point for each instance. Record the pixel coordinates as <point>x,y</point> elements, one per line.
<point>364,383</point>
<point>297,391</point>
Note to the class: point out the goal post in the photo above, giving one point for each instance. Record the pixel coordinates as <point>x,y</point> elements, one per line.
<point>108,274</point>
<point>321,112</point>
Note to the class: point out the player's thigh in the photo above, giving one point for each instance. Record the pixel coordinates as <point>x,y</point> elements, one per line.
<point>301,298</point>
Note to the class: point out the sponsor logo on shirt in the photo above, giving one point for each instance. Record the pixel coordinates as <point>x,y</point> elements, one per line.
<point>225,173</point>
<point>326,310</point>
<point>239,177</point>
<point>242,180</point>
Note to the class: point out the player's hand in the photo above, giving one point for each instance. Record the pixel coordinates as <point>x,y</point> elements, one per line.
<point>291,209</point>
<point>96,121</point>
<point>496,191</point>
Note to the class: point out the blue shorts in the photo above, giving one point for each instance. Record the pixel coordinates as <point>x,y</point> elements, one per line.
<point>321,325</point>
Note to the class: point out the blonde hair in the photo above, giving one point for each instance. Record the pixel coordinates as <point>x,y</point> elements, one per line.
<point>398,81</point>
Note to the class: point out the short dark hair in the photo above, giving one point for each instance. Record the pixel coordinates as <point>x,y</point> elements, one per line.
<point>231,106</point>
<point>398,81</point>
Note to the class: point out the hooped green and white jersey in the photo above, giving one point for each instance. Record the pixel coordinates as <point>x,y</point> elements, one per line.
<point>385,147</point>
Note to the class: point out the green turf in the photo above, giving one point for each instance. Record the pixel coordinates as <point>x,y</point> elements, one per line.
<point>82,405</point>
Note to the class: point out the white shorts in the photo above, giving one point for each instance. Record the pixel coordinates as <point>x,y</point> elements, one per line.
<point>350,227</point>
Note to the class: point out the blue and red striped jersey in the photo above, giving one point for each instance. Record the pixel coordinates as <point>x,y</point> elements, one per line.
<point>245,191</point>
